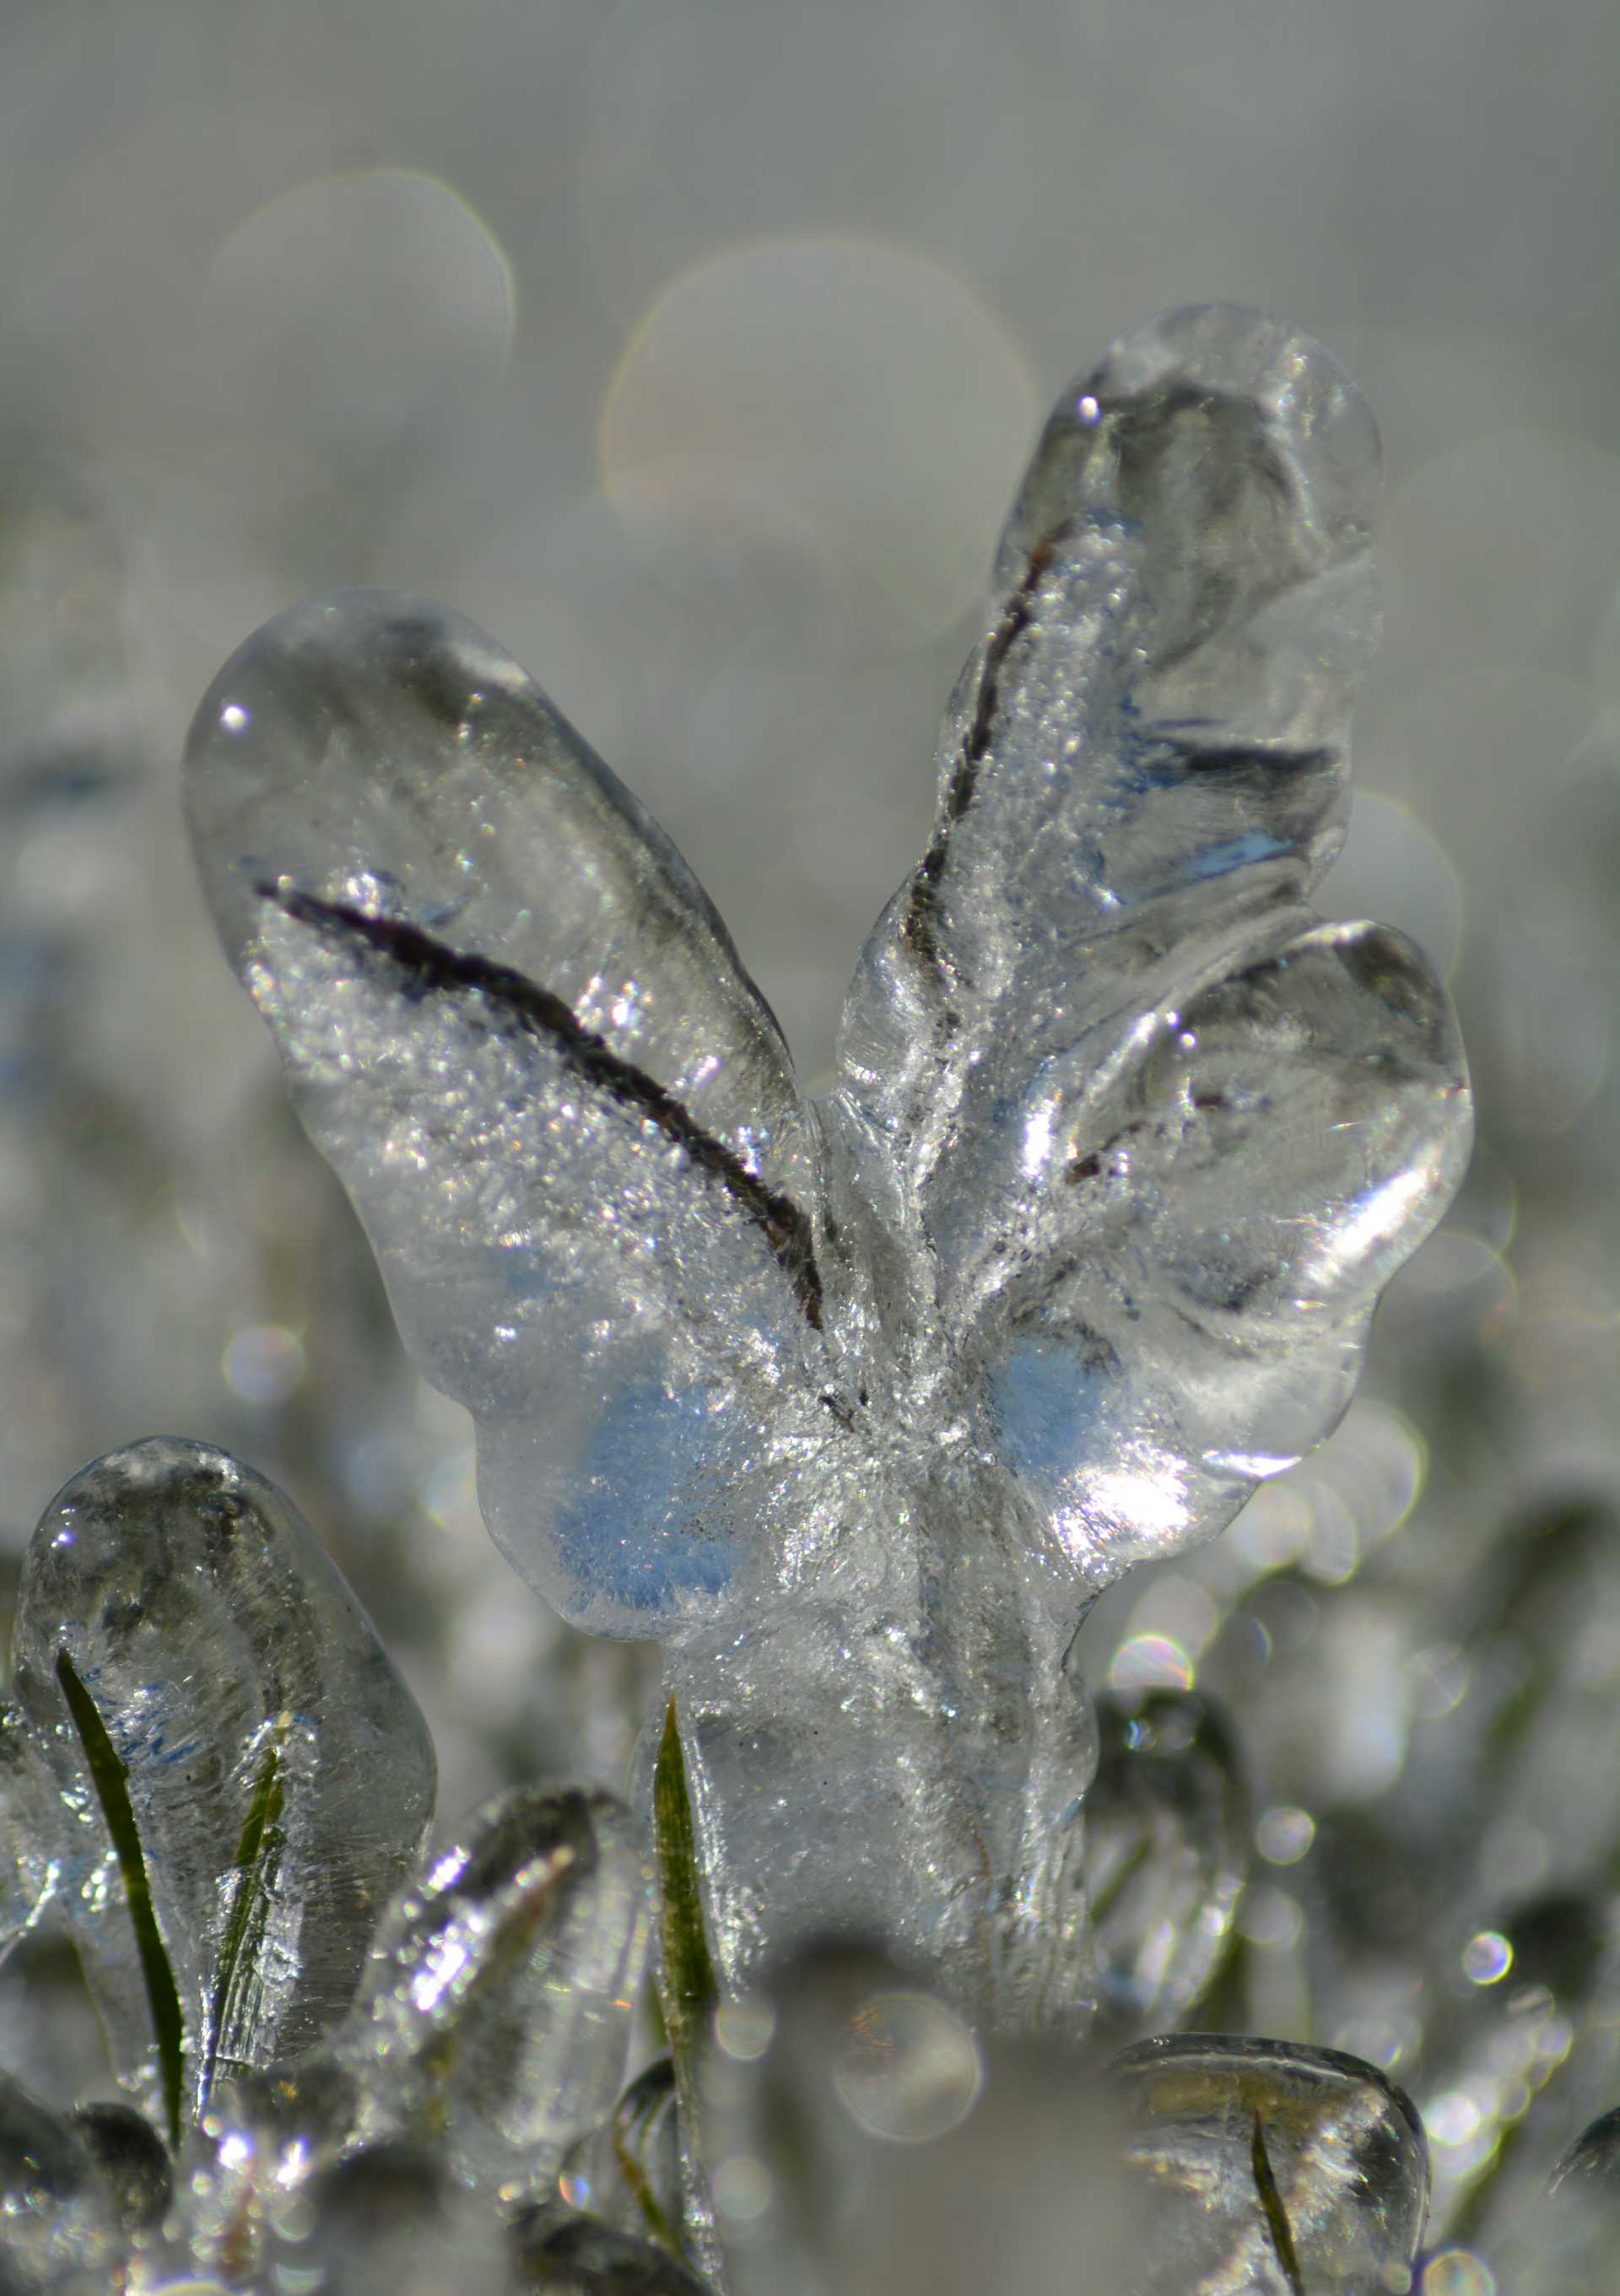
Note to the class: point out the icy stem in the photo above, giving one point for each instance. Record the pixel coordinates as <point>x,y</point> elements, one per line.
<point>242,1777</point>
<point>855,1406</point>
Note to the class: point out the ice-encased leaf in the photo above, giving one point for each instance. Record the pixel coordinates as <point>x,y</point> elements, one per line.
<point>494,2015</point>
<point>513,1023</point>
<point>855,1411</point>
<point>628,2173</point>
<point>1165,1831</point>
<point>379,752</point>
<point>1153,733</point>
<point>1163,1137</point>
<point>1272,2167</point>
<point>242,1776</point>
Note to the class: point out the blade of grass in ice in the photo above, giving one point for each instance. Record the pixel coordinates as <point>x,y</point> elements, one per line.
<point>1275,2214</point>
<point>111,1780</point>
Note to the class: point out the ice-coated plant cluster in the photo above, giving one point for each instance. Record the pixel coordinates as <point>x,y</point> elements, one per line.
<point>853,1404</point>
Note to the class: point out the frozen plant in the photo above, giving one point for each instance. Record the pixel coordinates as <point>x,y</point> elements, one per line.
<point>855,1404</point>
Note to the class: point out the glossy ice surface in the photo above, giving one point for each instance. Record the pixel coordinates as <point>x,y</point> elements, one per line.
<point>855,1404</point>
<point>1271,2168</point>
<point>229,1745</point>
<point>494,2015</point>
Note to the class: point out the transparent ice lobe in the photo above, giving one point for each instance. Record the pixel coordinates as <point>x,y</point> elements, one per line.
<point>243,1777</point>
<point>1166,1830</point>
<point>1159,1137</point>
<point>512,1023</point>
<point>1170,1293</point>
<point>382,753</point>
<point>1269,2167</point>
<point>494,2015</point>
<point>627,2174</point>
<point>631,1316</point>
<point>1153,731</point>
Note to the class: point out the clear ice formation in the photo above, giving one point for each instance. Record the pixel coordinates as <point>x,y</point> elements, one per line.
<point>627,2174</point>
<point>489,2029</point>
<point>241,1776</point>
<point>855,1404</point>
<point>1167,1830</point>
<point>1271,2168</point>
<point>494,2015</point>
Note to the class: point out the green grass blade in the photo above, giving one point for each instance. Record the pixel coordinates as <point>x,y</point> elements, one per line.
<point>690,1991</point>
<point>1275,2214</point>
<point>254,1872</point>
<point>110,1781</point>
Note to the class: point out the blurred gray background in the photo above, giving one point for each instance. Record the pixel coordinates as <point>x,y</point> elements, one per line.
<point>694,347</point>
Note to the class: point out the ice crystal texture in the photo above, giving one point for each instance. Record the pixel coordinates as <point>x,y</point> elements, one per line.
<point>855,1404</point>
<point>235,1759</point>
<point>493,2013</point>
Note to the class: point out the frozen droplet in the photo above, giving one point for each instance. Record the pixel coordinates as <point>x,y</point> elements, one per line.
<point>59,2234</point>
<point>564,2254</point>
<point>628,2173</point>
<point>242,1776</point>
<point>1165,1830</point>
<point>494,2012</point>
<point>1272,2167</point>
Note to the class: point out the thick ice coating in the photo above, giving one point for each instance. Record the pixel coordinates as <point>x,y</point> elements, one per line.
<point>855,1407</point>
<point>242,1777</point>
<point>494,2013</point>
<point>1272,2167</point>
<point>512,1021</point>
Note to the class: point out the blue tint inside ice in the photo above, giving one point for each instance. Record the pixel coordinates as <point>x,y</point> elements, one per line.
<point>624,1541</point>
<point>1048,1405</point>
